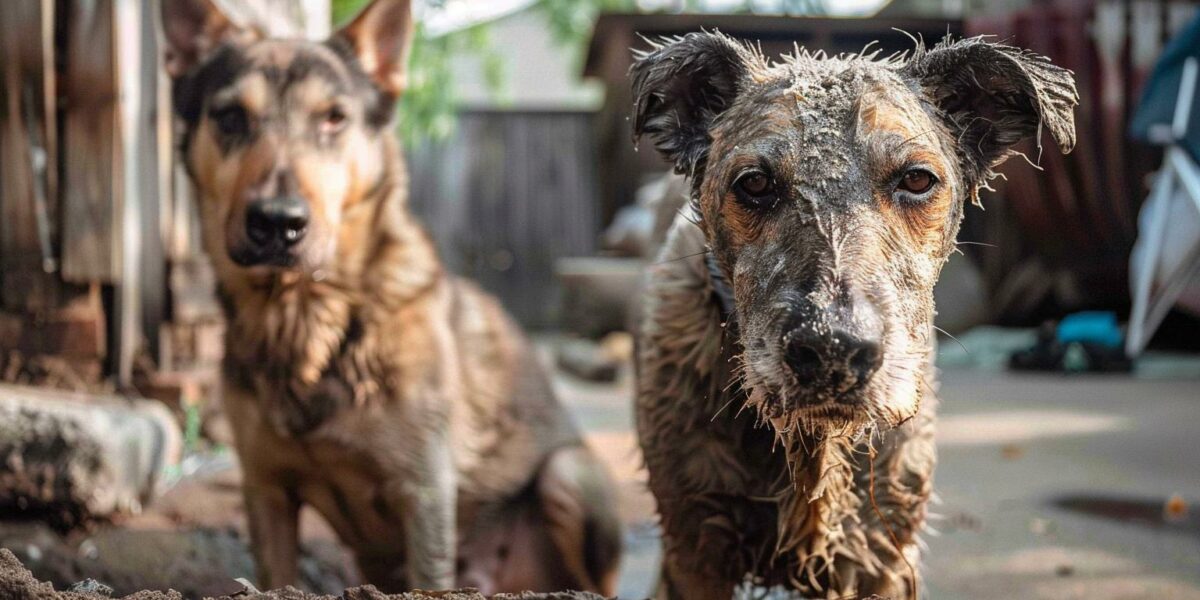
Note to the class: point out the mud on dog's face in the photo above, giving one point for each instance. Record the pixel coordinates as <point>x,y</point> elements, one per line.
<point>830,191</point>
<point>282,137</point>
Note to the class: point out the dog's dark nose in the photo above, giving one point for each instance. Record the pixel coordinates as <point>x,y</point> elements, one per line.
<point>284,218</point>
<point>839,358</point>
<point>832,356</point>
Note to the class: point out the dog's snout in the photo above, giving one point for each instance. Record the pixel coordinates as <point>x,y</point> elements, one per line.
<point>832,350</point>
<point>838,358</point>
<point>283,219</point>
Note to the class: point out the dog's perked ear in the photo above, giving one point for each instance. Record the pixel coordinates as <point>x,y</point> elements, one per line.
<point>192,29</point>
<point>994,96</point>
<point>380,38</point>
<point>681,86</point>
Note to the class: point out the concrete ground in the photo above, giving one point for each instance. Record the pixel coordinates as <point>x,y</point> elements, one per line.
<point>1050,486</point>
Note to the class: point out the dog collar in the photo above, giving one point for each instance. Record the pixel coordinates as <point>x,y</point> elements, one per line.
<point>722,293</point>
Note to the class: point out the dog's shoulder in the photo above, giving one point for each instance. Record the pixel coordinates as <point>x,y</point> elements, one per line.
<point>680,322</point>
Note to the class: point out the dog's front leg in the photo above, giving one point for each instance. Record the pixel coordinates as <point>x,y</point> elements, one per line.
<point>428,502</point>
<point>274,516</point>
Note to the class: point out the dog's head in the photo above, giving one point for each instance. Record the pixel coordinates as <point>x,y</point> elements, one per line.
<point>283,138</point>
<point>830,191</point>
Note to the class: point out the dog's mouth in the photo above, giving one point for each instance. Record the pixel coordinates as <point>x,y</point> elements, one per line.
<point>819,409</point>
<point>273,256</point>
<point>816,406</point>
<point>820,405</point>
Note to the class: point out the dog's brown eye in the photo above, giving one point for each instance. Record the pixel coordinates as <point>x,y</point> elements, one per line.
<point>755,184</point>
<point>333,120</point>
<point>917,181</point>
<point>755,190</point>
<point>231,120</point>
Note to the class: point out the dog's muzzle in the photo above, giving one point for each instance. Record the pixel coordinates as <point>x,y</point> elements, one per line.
<point>835,351</point>
<point>273,227</point>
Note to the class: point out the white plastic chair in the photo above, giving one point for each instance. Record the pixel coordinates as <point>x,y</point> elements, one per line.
<point>1179,173</point>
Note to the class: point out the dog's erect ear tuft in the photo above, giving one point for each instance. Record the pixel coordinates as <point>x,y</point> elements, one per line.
<point>381,36</point>
<point>192,29</point>
<point>680,86</point>
<point>994,96</point>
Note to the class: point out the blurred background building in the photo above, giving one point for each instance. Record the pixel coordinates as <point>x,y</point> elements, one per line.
<point>521,155</point>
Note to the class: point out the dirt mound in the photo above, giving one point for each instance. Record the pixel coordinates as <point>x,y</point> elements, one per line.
<point>17,583</point>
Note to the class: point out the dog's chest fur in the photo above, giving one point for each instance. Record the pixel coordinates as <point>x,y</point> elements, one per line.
<point>799,517</point>
<point>330,386</point>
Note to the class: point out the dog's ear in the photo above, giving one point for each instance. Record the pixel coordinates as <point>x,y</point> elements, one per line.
<point>380,37</point>
<point>994,96</point>
<point>680,86</point>
<point>192,29</point>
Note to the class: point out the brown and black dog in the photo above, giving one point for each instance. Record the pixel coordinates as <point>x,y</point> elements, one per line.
<point>360,378</point>
<point>826,195</point>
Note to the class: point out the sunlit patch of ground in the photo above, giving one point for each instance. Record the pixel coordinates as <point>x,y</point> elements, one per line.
<point>1015,426</point>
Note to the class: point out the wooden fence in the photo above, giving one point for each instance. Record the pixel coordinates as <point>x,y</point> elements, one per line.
<point>505,196</point>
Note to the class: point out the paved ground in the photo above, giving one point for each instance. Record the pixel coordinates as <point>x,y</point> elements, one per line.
<point>1051,486</point>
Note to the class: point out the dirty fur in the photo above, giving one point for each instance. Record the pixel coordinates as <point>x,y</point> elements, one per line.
<point>811,469</point>
<point>360,378</point>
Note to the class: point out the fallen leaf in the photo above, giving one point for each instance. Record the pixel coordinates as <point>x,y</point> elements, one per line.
<point>1011,451</point>
<point>1176,509</point>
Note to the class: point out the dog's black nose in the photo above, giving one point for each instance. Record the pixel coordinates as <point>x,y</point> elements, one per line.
<point>284,218</point>
<point>832,357</point>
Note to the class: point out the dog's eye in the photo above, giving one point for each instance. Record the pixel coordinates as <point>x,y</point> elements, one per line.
<point>231,120</point>
<point>333,120</point>
<point>916,181</point>
<point>755,189</point>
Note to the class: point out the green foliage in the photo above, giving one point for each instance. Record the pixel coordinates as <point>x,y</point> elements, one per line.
<point>428,107</point>
<point>571,20</point>
<point>344,9</point>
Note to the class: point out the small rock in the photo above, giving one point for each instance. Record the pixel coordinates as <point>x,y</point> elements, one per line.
<point>1064,570</point>
<point>91,586</point>
<point>88,549</point>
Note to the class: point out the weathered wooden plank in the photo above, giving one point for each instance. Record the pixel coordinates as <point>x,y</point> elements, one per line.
<point>89,195</point>
<point>27,147</point>
<point>508,194</point>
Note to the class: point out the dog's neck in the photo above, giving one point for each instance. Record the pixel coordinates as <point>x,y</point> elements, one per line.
<point>286,329</point>
<point>822,489</point>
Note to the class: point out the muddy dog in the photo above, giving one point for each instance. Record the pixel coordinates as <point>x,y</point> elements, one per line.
<point>360,378</point>
<point>826,195</point>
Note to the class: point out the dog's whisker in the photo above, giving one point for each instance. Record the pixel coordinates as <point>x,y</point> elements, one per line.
<point>947,334</point>
<point>684,257</point>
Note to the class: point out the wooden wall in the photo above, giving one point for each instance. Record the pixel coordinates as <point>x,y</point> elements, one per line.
<point>28,144</point>
<point>94,222</point>
<point>509,193</point>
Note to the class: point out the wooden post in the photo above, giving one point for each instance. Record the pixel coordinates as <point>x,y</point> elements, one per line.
<point>127,30</point>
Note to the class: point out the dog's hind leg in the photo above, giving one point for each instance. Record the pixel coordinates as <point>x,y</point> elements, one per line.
<point>274,514</point>
<point>560,533</point>
<point>574,496</point>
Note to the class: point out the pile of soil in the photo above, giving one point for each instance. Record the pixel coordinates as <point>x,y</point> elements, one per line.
<point>17,583</point>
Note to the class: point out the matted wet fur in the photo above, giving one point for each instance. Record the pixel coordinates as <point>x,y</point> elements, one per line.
<point>360,378</point>
<point>785,400</point>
